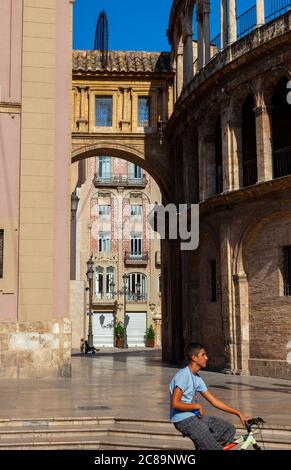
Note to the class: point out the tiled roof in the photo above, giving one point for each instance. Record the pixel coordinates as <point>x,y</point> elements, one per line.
<point>122,61</point>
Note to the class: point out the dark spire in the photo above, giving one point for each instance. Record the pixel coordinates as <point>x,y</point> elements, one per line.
<point>101,37</point>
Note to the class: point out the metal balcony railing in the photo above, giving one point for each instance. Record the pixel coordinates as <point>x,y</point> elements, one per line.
<point>250,172</point>
<point>104,296</point>
<point>108,180</point>
<point>136,297</point>
<point>276,8</point>
<point>216,41</point>
<point>282,162</point>
<point>136,258</point>
<point>246,22</point>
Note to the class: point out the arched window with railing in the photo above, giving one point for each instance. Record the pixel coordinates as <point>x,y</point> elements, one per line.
<point>281,135</point>
<point>249,143</point>
<point>137,287</point>
<point>104,282</point>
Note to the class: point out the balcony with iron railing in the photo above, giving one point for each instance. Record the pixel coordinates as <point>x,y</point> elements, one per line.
<point>119,180</point>
<point>250,172</point>
<point>136,297</point>
<point>282,162</point>
<point>103,298</point>
<point>141,258</point>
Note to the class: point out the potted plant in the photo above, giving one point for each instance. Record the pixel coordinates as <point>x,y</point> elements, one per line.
<point>150,337</point>
<point>119,335</point>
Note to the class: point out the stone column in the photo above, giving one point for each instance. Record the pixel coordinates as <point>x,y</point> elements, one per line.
<point>179,70</point>
<point>200,40</point>
<point>232,21</point>
<point>227,147</point>
<point>235,160</point>
<point>241,340</point>
<point>188,55</point>
<point>210,165</point>
<point>206,31</point>
<point>260,11</point>
<point>157,318</point>
<point>226,254</point>
<point>223,23</point>
<point>264,142</point>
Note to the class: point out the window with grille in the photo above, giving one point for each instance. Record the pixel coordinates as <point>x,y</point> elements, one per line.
<point>104,242</point>
<point>143,111</point>
<point>1,252</point>
<point>213,287</point>
<point>104,111</point>
<point>137,287</point>
<point>287,270</point>
<point>136,244</point>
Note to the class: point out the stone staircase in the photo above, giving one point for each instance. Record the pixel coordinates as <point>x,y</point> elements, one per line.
<point>109,433</point>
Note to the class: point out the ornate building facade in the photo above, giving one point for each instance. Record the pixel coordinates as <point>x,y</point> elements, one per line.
<point>231,148</point>
<point>120,110</point>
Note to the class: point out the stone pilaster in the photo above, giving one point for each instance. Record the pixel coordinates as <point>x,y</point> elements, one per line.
<point>241,342</point>
<point>83,120</point>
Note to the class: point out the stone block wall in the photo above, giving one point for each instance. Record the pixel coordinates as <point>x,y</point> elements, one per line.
<point>35,349</point>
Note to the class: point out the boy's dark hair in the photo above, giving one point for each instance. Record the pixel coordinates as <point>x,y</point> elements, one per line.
<point>192,349</point>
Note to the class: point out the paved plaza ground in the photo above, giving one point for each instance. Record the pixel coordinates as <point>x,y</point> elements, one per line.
<point>135,384</point>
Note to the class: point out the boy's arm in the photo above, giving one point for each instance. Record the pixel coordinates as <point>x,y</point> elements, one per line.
<point>222,406</point>
<point>178,404</point>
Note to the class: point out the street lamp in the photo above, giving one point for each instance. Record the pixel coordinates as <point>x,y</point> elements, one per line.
<point>125,278</point>
<point>138,286</point>
<point>74,207</point>
<point>90,275</point>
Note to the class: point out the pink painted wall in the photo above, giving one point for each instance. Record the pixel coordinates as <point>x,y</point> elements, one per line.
<point>10,92</point>
<point>10,50</point>
<point>62,162</point>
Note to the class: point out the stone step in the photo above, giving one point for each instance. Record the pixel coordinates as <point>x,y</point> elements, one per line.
<point>68,433</point>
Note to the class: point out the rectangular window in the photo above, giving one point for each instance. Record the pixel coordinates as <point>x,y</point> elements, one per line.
<point>1,252</point>
<point>103,111</point>
<point>104,211</point>
<point>287,270</point>
<point>135,171</point>
<point>213,287</point>
<point>135,210</point>
<point>104,242</point>
<point>136,245</point>
<point>143,111</point>
<point>104,171</point>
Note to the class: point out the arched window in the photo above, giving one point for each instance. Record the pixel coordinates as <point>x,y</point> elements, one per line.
<point>249,143</point>
<point>99,282</point>
<point>281,122</point>
<point>137,287</point>
<point>104,282</point>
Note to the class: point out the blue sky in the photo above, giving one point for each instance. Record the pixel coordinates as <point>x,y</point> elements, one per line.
<point>133,24</point>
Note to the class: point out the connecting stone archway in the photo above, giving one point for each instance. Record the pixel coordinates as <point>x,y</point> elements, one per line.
<point>152,156</point>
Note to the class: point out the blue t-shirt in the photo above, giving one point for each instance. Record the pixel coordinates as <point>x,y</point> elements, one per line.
<point>190,384</point>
